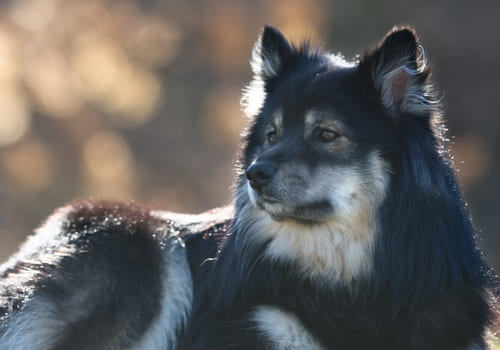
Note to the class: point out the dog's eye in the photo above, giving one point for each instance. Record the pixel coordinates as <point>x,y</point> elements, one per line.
<point>272,136</point>
<point>327,135</point>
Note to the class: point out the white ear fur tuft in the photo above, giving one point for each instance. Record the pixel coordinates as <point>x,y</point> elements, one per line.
<point>401,86</point>
<point>400,74</point>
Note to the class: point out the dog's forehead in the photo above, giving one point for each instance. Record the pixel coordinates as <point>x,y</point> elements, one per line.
<point>315,97</point>
<point>319,116</point>
<point>308,119</point>
<point>320,96</point>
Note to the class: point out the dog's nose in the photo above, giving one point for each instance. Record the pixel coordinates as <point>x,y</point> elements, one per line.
<point>260,173</point>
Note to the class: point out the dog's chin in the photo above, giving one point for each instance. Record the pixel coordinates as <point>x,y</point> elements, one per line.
<point>281,210</point>
<point>306,214</point>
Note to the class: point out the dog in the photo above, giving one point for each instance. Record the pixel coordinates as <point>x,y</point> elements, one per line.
<point>348,230</point>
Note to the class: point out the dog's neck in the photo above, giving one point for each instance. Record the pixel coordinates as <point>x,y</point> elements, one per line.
<point>329,253</point>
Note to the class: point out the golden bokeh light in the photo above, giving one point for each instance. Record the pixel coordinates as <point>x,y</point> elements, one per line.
<point>472,159</point>
<point>106,156</point>
<point>32,14</point>
<point>155,42</point>
<point>15,117</point>
<point>223,120</point>
<point>9,59</point>
<point>225,31</point>
<point>106,77</point>
<point>48,77</point>
<point>29,166</point>
<point>108,165</point>
<point>294,19</point>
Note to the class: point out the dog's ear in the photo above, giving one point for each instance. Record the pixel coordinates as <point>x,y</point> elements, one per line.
<point>269,53</point>
<point>397,70</point>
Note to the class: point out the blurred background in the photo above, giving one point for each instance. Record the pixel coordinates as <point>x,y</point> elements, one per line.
<point>140,99</point>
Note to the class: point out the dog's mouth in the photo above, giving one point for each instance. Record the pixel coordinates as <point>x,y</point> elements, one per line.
<point>305,213</point>
<point>265,199</point>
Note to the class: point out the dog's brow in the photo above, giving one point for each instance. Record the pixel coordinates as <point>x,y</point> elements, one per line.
<point>277,119</point>
<point>315,118</point>
<point>311,119</point>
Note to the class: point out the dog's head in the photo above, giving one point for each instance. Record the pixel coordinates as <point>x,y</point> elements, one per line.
<point>318,152</point>
<point>322,126</point>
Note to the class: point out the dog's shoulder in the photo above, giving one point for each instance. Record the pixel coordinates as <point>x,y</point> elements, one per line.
<point>202,234</point>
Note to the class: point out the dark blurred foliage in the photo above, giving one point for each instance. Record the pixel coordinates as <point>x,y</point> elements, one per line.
<point>140,99</point>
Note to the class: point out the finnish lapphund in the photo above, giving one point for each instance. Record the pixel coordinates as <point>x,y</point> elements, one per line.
<point>347,232</point>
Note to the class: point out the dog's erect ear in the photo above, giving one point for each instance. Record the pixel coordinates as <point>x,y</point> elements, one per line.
<point>269,56</point>
<point>269,53</point>
<point>397,69</point>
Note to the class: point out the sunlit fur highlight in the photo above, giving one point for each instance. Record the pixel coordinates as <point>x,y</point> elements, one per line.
<point>36,326</point>
<point>265,65</point>
<point>283,329</point>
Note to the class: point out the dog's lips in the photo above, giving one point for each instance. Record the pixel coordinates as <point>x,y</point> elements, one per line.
<point>266,199</point>
<point>267,203</point>
<point>260,198</point>
<point>278,209</point>
<point>281,213</point>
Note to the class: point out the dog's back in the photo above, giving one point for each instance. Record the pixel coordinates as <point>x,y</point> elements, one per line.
<point>102,275</point>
